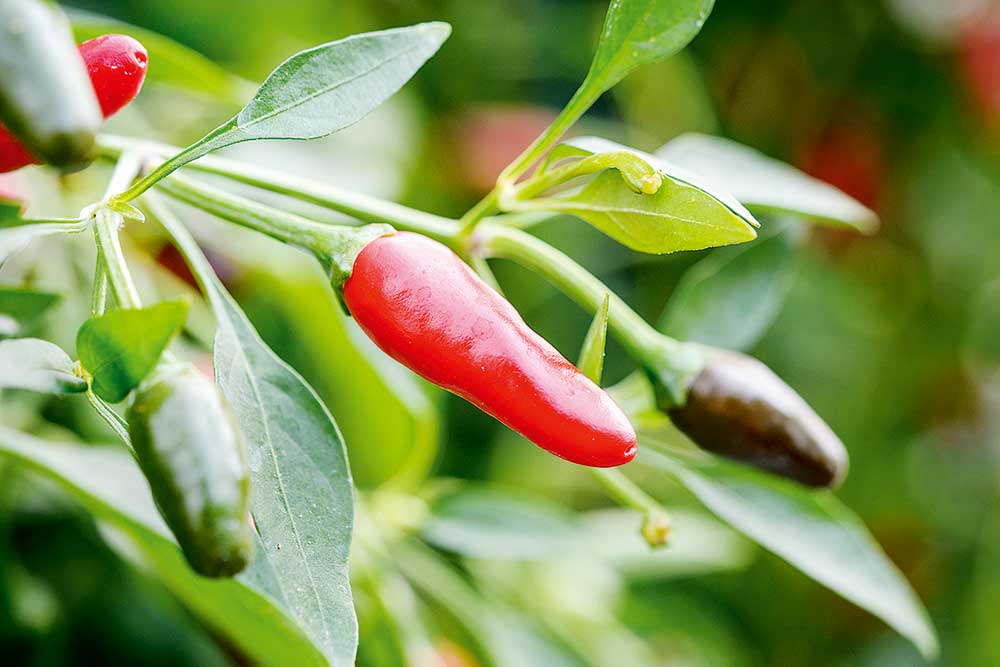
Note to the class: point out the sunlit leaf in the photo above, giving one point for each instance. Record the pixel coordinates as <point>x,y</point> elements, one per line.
<point>766,184</point>
<point>121,347</point>
<point>587,145</point>
<point>37,365</point>
<point>730,298</point>
<point>303,497</point>
<point>811,530</point>
<point>685,213</point>
<point>677,217</point>
<point>637,32</point>
<point>107,482</point>
<point>324,89</point>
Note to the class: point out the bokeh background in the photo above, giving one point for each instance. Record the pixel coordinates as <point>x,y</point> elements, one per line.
<point>893,338</point>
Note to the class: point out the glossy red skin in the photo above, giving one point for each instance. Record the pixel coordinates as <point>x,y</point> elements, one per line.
<point>117,68</point>
<point>424,307</point>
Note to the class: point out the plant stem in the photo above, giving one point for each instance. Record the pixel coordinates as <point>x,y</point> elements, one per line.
<point>624,491</point>
<point>281,225</point>
<point>576,107</point>
<point>107,223</point>
<point>350,203</point>
<point>179,157</point>
<point>336,246</point>
<point>99,296</point>
<point>485,207</point>
<point>578,104</point>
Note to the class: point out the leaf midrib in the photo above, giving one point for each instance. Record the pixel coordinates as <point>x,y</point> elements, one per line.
<point>281,486</point>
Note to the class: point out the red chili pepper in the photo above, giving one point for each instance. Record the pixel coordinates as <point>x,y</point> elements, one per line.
<point>117,67</point>
<point>425,308</point>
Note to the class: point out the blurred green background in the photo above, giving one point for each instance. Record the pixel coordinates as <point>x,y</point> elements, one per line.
<point>894,338</point>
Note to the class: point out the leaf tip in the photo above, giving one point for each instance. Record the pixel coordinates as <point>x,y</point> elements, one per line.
<point>439,30</point>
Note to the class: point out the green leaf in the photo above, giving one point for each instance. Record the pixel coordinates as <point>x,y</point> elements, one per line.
<point>811,530</point>
<point>106,481</point>
<point>591,361</point>
<point>730,298</point>
<point>685,213</point>
<point>172,63</point>
<point>37,365</point>
<point>488,523</point>
<point>638,32</point>
<point>303,499</point>
<point>677,217</point>
<point>20,308</point>
<point>584,146</point>
<point>766,184</point>
<point>121,347</point>
<point>324,89</point>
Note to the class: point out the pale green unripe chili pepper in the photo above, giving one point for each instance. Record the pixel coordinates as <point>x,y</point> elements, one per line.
<point>194,456</point>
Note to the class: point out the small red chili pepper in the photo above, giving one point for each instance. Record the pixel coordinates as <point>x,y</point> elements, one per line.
<point>117,68</point>
<point>425,308</point>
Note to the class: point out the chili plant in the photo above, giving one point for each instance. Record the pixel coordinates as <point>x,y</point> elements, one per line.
<point>247,480</point>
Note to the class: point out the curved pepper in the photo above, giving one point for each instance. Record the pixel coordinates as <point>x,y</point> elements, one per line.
<point>193,454</point>
<point>117,68</point>
<point>424,307</point>
<point>739,408</point>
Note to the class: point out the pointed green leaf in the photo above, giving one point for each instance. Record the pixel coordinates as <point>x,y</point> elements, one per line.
<point>326,88</point>
<point>637,32</point>
<point>586,145</point>
<point>20,308</point>
<point>303,500</point>
<point>591,361</point>
<point>121,347</point>
<point>811,530</point>
<point>678,217</point>
<point>107,482</point>
<point>684,213</point>
<point>37,365</point>
<point>766,184</point>
<point>322,90</point>
<point>730,298</point>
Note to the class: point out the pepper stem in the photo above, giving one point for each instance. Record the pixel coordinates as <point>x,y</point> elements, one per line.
<point>335,246</point>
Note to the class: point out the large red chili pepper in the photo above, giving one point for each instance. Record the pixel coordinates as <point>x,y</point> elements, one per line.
<point>425,308</point>
<point>117,68</point>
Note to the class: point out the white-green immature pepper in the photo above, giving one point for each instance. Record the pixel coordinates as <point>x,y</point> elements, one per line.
<point>46,98</point>
<point>737,407</point>
<point>195,458</point>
